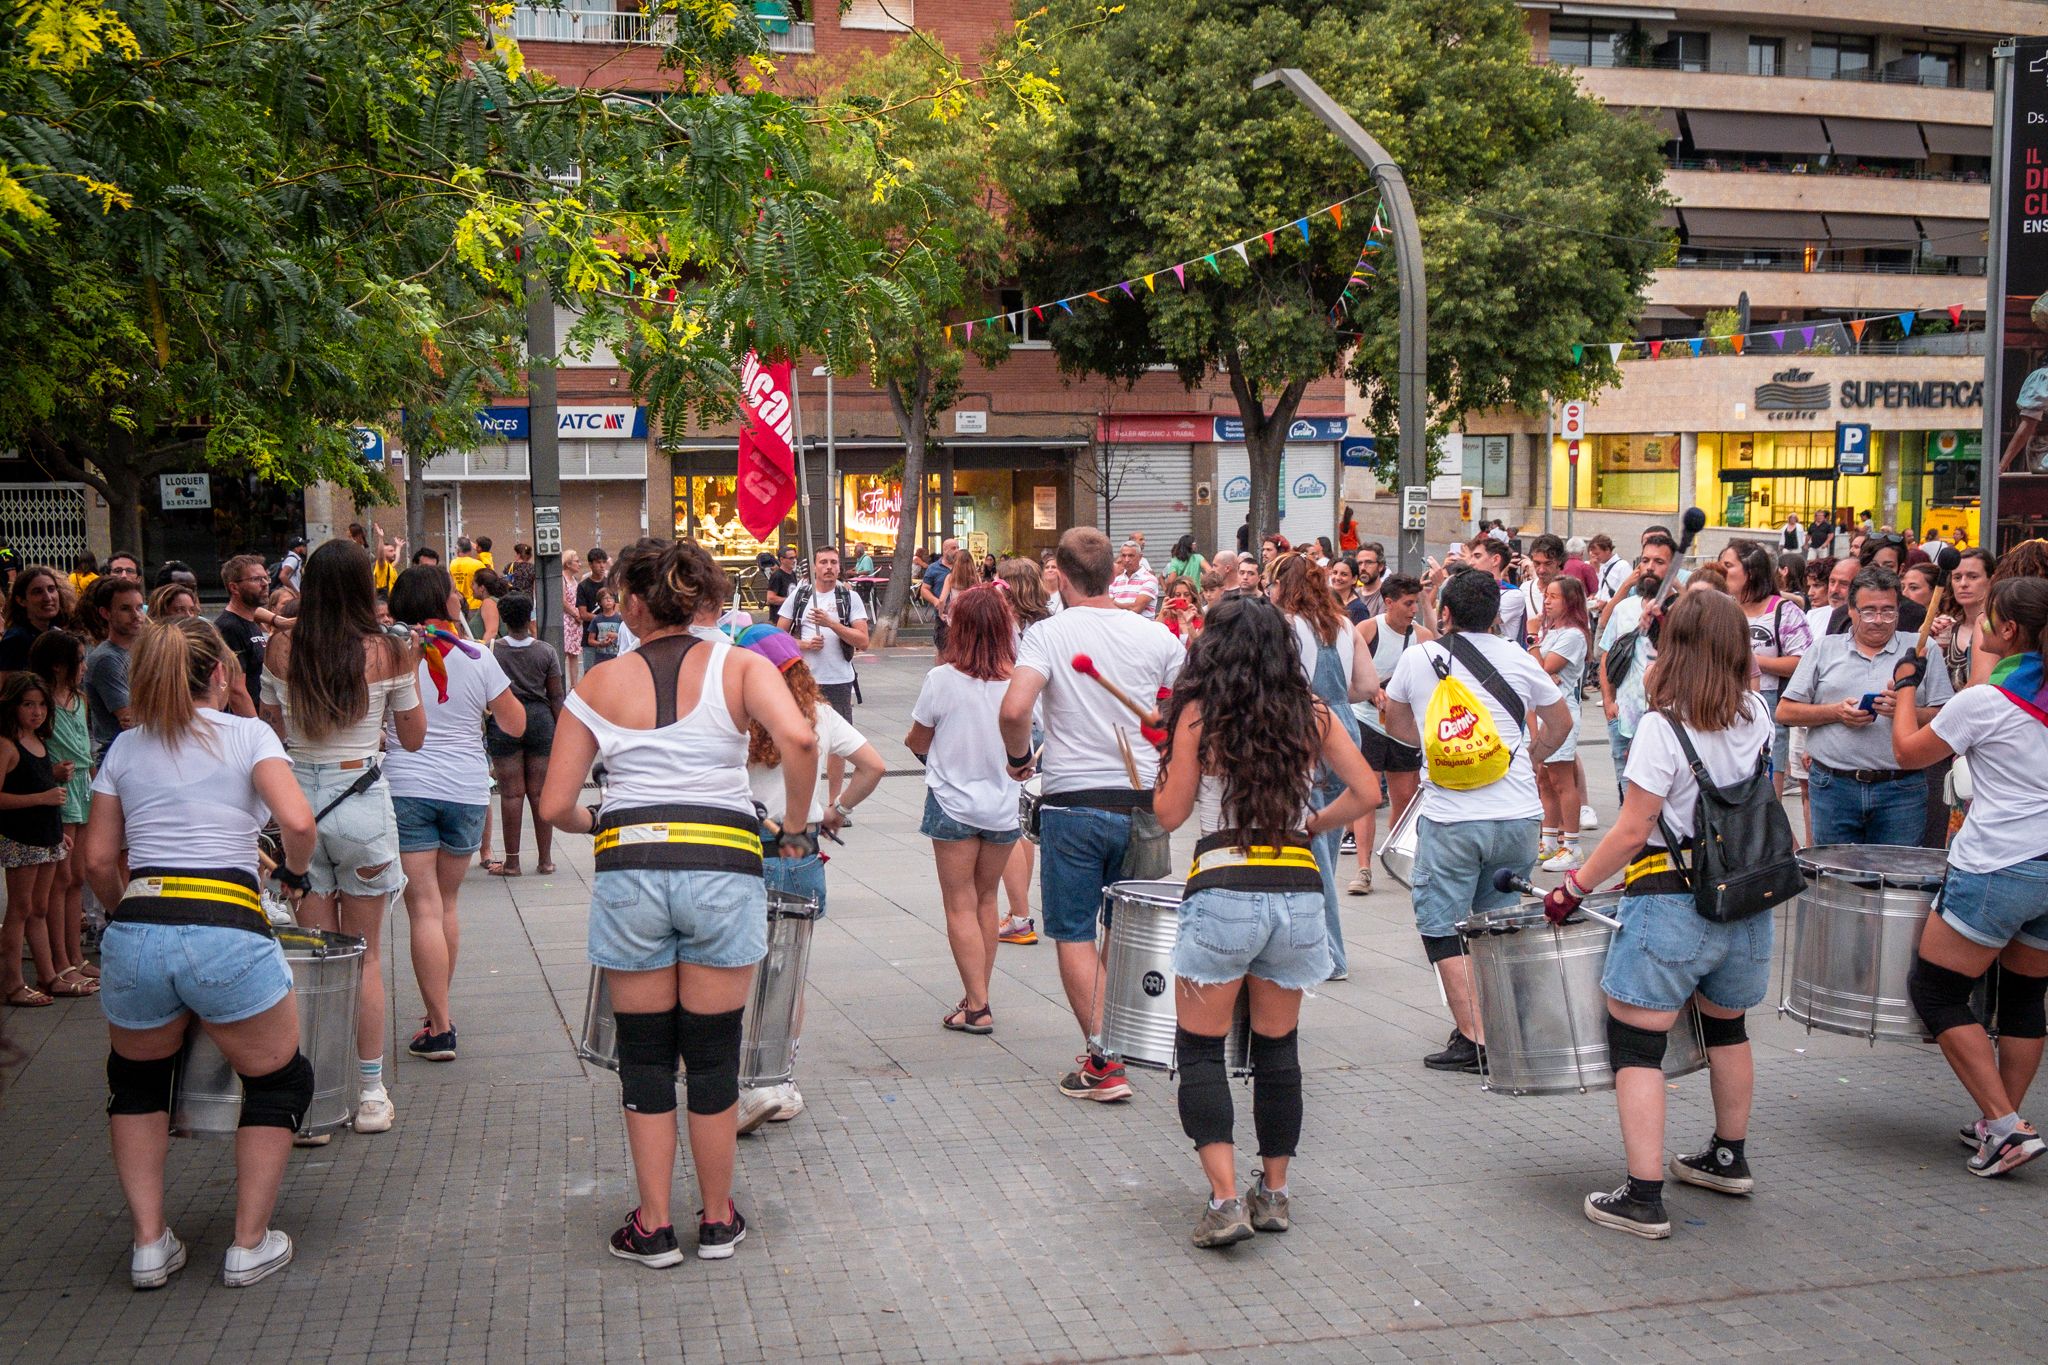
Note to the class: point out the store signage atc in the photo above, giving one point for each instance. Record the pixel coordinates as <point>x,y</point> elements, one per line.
<point>513,424</point>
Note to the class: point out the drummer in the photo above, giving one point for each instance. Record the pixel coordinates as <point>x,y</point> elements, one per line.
<point>1665,952</point>
<point>1247,734</point>
<point>171,845</point>
<point>1994,903</point>
<point>679,911</point>
<point>1098,767</point>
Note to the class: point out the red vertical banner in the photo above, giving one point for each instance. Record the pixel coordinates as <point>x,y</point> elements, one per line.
<point>767,472</point>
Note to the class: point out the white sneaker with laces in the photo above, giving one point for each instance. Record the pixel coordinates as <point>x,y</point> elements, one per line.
<point>758,1104</point>
<point>792,1103</point>
<point>1565,860</point>
<point>375,1113</point>
<point>244,1266</point>
<point>1588,818</point>
<point>152,1266</point>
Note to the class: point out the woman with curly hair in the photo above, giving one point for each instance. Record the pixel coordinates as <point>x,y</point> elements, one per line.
<point>1246,736</point>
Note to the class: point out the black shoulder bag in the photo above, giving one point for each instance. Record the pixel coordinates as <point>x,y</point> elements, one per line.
<point>1743,858</point>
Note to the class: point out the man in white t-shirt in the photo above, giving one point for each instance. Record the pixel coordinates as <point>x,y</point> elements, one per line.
<point>1093,746</point>
<point>1465,836</point>
<point>1493,556</point>
<point>830,623</point>
<point>1135,587</point>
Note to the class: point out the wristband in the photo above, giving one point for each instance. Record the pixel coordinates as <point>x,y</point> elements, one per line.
<point>595,818</point>
<point>1572,887</point>
<point>293,881</point>
<point>1022,760</point>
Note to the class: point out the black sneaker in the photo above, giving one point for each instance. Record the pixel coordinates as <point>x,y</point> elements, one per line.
<point>1716,1168</point>
<point>433,1047</point>
<point>1616,1210</point>
<point>657,1247</point>
<point>715,1241</point>
<point>1459,1054</point>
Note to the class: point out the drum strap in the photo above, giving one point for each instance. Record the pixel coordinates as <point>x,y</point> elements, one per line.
<point>227,898</point>
<point>1222,864</point>
<point>679,837</point>
<point>1654,872</point>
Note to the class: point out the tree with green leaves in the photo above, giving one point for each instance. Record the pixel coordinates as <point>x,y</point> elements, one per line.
<point>1539,209</point>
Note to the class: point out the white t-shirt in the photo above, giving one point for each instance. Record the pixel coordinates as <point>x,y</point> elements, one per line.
<point>1306,642</point>
<point>1569,641</point>
<point>1818,619</point>
<point>1610,576</point>
<point>1512,612</point>
<point>834,662</point>
<point>1082,720</point>
<point>966,768</point>
<point>450,766</point>
<point>835,737</point>
<point>2008,753</point>
<point>191,806</point>
<point>1513,797</point>
<point>1657,764</point>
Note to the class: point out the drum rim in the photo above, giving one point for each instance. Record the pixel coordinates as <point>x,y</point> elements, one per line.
<point>1813,870</point>
<point>1115,892</point>
<point>1528,914</point>
<point>323,942</point>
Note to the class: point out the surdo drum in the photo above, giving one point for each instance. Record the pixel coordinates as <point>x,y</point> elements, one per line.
<point>1397,850</point>
<point>1140,922</point>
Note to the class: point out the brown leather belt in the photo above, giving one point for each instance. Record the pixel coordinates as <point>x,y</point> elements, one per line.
<point>1871,776</point>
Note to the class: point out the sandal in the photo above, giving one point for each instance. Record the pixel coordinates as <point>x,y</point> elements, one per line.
<point>544,870</point>
<point>971,1021</point>
<point>504,867</point>
<point>28,997</point>
<point>69,989</point>
<point>88,971</point>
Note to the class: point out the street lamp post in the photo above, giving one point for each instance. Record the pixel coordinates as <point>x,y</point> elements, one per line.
<point>1414,358</point>
<point>832,528</point>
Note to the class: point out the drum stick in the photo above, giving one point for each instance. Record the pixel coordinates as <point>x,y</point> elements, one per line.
<point>1504,879</point>
<point>1130,764</point>
<point>1148,721</point>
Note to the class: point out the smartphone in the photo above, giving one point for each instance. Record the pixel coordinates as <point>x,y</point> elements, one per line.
<point>1869,703</point>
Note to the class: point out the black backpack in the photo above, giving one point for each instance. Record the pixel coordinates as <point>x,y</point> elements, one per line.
<point>1743,859</point>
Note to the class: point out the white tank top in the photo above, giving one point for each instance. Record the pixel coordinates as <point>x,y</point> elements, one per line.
<point>700,760</point>
<point>1209,815</point>
<point>1387,648</point>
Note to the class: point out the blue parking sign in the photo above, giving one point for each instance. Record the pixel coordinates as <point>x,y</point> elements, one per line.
<point>1852,447</point>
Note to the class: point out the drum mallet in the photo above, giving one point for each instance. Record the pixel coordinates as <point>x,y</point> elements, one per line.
<point>1148,721</point>
<point>1504,879</point>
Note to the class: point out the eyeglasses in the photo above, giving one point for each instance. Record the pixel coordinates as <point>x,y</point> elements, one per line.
<point>1877,613</point>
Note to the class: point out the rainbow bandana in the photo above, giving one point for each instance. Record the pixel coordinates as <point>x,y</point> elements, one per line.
<point>437,639</point>
<point>2021,678</point>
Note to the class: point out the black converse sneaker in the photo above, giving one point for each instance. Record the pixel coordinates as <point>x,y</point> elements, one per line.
<point>649,1246</point>
<point>1716,1168</point>
<point>1617,1209</point>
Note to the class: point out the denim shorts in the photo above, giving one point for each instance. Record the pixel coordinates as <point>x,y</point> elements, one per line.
<point>1992,909</point>
<point>798,877</point>
<point>1665,951</point>
<point>1454,867</point>
<point>151,974</point>
<point>1277,936</point>
<point>360,832</point>
<point>645,919</point>
<point>944,828</point>
<point>1081,850</point>
<point>450,826</point>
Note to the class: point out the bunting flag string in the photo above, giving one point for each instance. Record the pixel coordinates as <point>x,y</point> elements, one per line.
<point>1269,238</point>
<point>1809,335</point>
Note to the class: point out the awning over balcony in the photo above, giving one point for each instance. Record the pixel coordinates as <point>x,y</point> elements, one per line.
<point>1876,137</point>
<point>1664,121</point>
<point>1956,139</point>
<point>1752,227</point>
<point>1881,230</point>
<point>1716,130</point>
<point>1955,236</point>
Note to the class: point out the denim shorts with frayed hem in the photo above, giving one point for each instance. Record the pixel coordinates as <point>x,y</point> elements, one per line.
<point>1665,951</point>
<point>1992,909</point>
<point>151,974</point>
<point>946,830</point>
<point>1277,936</point>
<point>426,825</point>
<point>645,919</point>
<point>360,833</point>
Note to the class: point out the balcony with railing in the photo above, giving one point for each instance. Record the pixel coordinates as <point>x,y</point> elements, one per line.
<point>1925,73</point>
<point>591,23</point>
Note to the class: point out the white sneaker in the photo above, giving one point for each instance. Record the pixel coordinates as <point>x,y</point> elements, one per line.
<point>1566,860</point>
<point>792,1103</point>
<point>375,1113</point>
<point>245,1266</point>
<point>151,1266</point>
<point>758,1104</point>
<point>1588,818</point>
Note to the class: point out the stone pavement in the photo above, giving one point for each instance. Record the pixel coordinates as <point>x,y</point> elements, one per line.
<point>939,1200</point>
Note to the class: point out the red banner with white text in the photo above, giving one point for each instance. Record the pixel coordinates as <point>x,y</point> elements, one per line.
<point>767,473</point>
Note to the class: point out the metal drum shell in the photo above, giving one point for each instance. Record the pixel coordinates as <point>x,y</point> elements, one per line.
<point>767,1051</point>
<point>1028,801</point>
<point>1397,850</point>
<point>327,976</point>
<point>1854,935</point>
<point>1140,1022</point>
<point>1544,1011</point>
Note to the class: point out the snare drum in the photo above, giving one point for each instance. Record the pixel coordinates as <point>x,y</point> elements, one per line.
<point>1544,1011</point>
<point>1397,850</point>
<point>1141,922</point>
<point>1855,935</point>
<point>1028,800</point>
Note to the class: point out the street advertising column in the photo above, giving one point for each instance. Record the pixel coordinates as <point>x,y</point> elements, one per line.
<point>2016,417</point>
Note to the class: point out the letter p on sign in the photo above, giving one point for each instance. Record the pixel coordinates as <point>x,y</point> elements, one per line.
<point>1852,448</point>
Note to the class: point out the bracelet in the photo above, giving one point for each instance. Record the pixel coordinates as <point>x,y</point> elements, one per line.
<point>844,810</point>
<point>595,818</point>
<point>1572,887</point>
<point>1022,760</point>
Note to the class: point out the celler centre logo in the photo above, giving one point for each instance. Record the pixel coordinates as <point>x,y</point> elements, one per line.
<point>1791,394</point>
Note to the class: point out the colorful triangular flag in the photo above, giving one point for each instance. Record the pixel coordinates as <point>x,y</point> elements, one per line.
<point>1656,349</point>
<point>1697,344</point>
<point>970,331</point>
<point>1302,223</point>
<point>1578,353</point>
<point>1067,304</point>
<point>1180,272</point>
<point>1779,337</point>
<point>1906,322</point>
<point>1241,254</point>
<point>1148,285</point>
<point>1614,351</point>
<point>1736,341</point>
<point>1096,294</point>
<point>1337,213</point>
<point>1211,259</point>
<point>1856,326</point>
<point>1267,238</point>
<point>1038,312</point>
<point>949,334</point>
<point>1955,315</point>
<point>1126,287</point>
<point>1806,336</point>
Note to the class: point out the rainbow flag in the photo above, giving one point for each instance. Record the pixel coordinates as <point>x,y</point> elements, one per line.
<point>2021,677</point>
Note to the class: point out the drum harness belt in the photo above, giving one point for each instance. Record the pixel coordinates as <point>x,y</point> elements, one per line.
<point>1223,863</point>
<point>675,836</point>
<point>224,898</point>
<point>1654,872</point>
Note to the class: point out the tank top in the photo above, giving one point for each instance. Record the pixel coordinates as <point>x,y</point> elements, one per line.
<point>41,826</point>
<point>1220,865</point>
<point>1387,647</point>
<point>699,759</point>
<point>364,738</point>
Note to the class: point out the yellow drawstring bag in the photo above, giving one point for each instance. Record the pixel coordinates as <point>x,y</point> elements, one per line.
<point>1459,738</point>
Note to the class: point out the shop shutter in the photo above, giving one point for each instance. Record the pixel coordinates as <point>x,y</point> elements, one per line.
<point>1154,493</point>
<point>1310,492</point>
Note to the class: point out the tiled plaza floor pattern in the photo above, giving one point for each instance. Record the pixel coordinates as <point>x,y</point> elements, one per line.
<point>939,1200</point>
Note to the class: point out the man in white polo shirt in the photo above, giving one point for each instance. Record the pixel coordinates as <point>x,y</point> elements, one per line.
<point>1135,587</point>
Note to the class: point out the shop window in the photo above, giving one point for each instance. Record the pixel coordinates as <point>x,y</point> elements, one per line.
<point>1636,471</point>
<point>707,508</point>
<point>1486,464</point>
<point>871,509</point>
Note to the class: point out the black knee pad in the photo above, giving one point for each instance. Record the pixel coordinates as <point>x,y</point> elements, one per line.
<point>1723,1032</point>
<point>1629,1046</point>
<point>1439,947</point>
<point>647,1062</point>
<point>281,1099</point>
<point>711,1059</point>
<point>1941,996</point>
<point>2021,1011</point>
<point>139,1087</point>
<point>1205,1110</point>
<point>1276,1092</point>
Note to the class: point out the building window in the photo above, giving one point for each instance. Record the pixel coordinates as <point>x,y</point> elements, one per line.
<point>1683,52</point>
<point>1486,464</point>
<point>1843,56</point>
<point>1586,42</point>
<point>893,16</point>
<point>1030,332</point>
<point>1932,63</point>
<point>1766,56</point>
<point>1636,471</point>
